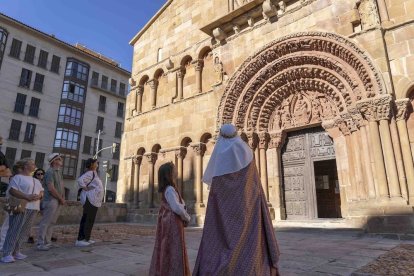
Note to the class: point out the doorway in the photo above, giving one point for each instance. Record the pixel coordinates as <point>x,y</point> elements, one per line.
<point>327,189</point>
<point>309,174</point>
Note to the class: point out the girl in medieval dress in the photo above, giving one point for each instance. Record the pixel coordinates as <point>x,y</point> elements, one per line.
<point>170,254</point>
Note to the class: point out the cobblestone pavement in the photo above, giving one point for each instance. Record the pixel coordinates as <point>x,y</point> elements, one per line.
<point>126,249</point>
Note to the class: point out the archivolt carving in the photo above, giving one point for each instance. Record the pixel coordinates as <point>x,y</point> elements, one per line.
<point>300,79</point>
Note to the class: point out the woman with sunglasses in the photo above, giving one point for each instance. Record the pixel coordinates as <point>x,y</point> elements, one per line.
<point>39,174</point>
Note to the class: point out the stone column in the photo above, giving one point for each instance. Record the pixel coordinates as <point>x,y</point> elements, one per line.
<point>151,158</point>
<point>139,92</point>
<point>383,105</point>
<point>153,85</point>
<point>401,117</point>
<point>198,66</point>
<point>133,104</point>
<point>253,141</point>
<point>180,155</point>
<point>180,81</point>
<point>367,109</point>
<point>352,189</point>
<point>276,141</point>
<point>364,155</point>
<point>137,164</point>
<point>398,158</point>
<point>263,143</point>
<point>199,149</point>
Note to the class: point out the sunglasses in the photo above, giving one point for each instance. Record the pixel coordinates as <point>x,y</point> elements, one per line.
<point>40,174</point>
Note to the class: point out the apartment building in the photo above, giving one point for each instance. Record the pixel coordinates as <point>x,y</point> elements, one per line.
<point>57,97</point>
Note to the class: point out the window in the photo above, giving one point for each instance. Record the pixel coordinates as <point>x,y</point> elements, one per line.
<point>120,110</point>
<point>77,70</point>
<point>25,78</point>
<point>40,159</point>
<point>113,86</point>
<point>34,107</point>
<point>159,55</point>
<point>118,130</point>
<point>69,165</point>
<point>20,103</point>
<point>99,123</point>
<point>122,89</point>
<point>15,127</point>
<point>66,138</point>
<point>42,62</point>
<point>104,83</point>
<point>15,48</point>
<point>114,176</point>
<point>55,64</point>
<point>10,156</point>
<point>30,133</point>
<point>99,147</point>
<point>30,53</point>
<point>69,114</point>
<point>3,42</point>
<point>102,103</point>
<point>73,91</point>
<point>95,79</point>
<point>83,167</point>
<point>26,154</point>
<point>38,83</point>
<point>87,145</point>
<point>115,155</point>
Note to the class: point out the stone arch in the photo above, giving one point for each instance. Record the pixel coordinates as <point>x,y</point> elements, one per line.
<point>298,80</point>
<point>163,96</point>
<point>205,138</point>
<point>185,142</point>
<point>403,88</point>
<point>207,73</point>
<point>141,151</point>
<point>156,148</point>
<point>188,74</point>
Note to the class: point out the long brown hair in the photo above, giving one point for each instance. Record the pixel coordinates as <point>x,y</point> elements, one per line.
<point>165,176</point>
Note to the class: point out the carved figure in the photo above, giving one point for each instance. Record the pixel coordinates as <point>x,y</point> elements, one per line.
<point>218,71</point>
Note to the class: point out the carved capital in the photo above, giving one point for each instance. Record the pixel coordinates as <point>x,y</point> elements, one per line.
<point>263,140</point>
<point>277,139</point>
<point>401,109</point>
<point>181,72</point>
<point>137,160</point>
<point>140,89</point>
<point>356,116</point>
<point>349,121</point>
<point>181,152</point>
<point>153,84</point>
<point>342,125</point>
<point>367,109</point>
<point>151,157</point>
<point>252,139</point>
<point>329,124</point>
<point>383,107</point>
<point>198,64</point>
<point>199,148</point>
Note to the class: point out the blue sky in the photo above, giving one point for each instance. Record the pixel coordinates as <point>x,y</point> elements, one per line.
<point>105,26</point>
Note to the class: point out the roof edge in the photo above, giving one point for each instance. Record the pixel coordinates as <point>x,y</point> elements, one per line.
<point>142,31</point>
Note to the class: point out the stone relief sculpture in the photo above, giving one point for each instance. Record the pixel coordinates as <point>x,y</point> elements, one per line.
<point>368,13</point>
<point>218,71</point>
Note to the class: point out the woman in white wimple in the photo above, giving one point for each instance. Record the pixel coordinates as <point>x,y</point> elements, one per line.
<point>22,186</point>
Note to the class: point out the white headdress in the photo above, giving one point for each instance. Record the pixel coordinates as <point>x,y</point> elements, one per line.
<point>230,154</point>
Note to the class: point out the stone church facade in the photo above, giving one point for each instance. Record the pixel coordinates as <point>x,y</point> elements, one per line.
<point>321,90</point>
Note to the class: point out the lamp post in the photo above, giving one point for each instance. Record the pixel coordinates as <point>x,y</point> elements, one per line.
<point>106,164</point>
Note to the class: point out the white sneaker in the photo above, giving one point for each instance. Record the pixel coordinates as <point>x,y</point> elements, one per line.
<point>82,243</point>
<point>8,259</point>
<point>42,247</point>
<point>19,256</point>
<point>91,241</point>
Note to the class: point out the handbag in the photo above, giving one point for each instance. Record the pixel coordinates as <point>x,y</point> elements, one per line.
<point>16,205</point>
